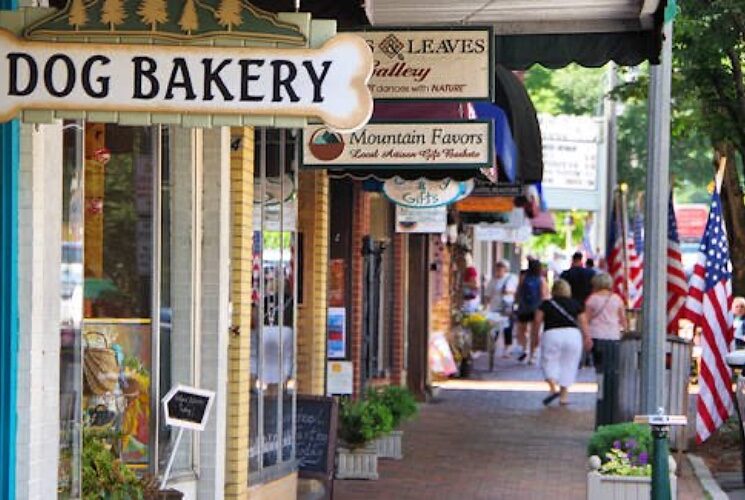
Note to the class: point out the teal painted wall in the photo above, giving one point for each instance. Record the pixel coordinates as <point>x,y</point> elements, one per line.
<point>9,172</point>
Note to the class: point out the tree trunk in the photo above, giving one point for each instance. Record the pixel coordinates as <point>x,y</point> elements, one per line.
<point>734,215</point>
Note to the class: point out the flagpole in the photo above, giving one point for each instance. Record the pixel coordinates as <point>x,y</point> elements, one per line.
<point>719,177</point>
<point>621,214</point>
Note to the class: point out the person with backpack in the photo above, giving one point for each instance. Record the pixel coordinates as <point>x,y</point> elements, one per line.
<point>530,293</point>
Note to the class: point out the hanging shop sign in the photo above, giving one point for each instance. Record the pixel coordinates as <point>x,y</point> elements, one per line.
<point>425,193</point>
<point>431,63</point>
<point>486,204</point>
<point>329,83</point>
<point>425,145</point>
<point>421,220</point>
<point>570,151</point>
<point>502,232</point>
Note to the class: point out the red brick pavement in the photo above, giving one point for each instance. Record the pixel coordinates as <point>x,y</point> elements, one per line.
<point>491,441</point>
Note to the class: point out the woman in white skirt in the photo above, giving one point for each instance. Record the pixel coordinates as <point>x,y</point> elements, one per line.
<point>565,334</point>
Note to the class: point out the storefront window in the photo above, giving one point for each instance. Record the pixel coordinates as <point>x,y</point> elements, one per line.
<point>71,311</point>
<point>274,297</point>
<point>118,245</point>
<point>120,177</point>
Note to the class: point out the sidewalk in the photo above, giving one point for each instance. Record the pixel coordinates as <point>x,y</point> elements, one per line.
<point>491,438</point>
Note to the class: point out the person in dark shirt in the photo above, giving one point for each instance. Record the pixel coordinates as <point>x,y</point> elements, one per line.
<point>579,278</point>
<point>565,334</point>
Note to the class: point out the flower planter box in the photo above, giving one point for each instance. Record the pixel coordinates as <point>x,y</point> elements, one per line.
<point>602,486</point>
<point>389,446</point>
<point>357,463</point>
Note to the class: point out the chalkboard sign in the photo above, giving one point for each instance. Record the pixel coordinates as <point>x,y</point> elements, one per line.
<point>187,407</point>
<point>315,436</point>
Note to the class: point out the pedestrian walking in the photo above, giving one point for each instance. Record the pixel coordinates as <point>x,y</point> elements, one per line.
<point>606,317</point>
<point>590,264</point>
<point>579,278</point>
<point>471,299</point>
<point>500,293</point>
<point>565,334</point>
<point>531,291</point>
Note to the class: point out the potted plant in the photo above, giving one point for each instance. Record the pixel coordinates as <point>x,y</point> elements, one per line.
<point>402,405</point>
<point>619,463</point>
<point>479,327</point>
<point>106,477</point>
<point>360,422</point>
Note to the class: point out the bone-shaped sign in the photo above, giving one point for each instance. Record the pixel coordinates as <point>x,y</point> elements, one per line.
<point>329,82</point>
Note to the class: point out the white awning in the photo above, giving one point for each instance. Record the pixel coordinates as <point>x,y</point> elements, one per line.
<point>519,16</point>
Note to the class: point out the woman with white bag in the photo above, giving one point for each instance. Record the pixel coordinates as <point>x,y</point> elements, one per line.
<point>565,334</point>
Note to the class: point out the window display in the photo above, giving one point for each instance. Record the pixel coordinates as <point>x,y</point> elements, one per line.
<point>117,295</point>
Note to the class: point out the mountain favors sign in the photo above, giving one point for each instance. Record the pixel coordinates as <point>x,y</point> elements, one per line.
<point>329,83</point>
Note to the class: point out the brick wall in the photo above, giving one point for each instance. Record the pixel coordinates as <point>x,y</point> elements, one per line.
<point>39,260</point>
<point>313,223</point>
<point>399,303</point>
<point>360,228</point>
<point>239,344</point>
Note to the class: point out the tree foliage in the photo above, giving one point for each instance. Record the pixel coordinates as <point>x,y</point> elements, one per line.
<point>709,52</point>
<point>573,90</point>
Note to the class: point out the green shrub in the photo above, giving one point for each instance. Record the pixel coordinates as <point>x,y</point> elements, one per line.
<point>399,400</point>
<point>363,421</point>
<point>104,475</point>
<point>634,438</point>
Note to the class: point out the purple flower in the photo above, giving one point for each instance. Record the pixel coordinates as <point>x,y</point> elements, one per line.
<point>630,444</point>
<point>617,444</point>
<point>643,458</point>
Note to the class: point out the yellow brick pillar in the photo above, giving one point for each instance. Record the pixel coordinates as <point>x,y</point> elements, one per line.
<point>239,347</point>
<point>313,223</point>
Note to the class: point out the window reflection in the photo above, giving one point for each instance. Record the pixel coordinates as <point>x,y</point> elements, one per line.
<point>117,334</point>
<point>274,300</point>
<point>71,310</point>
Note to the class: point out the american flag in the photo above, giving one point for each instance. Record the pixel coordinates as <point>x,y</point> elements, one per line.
<point>708,306</point>
<point>636,274</point>
<point>677,286</point>
<point>639,232</point>
<point>624,267</point>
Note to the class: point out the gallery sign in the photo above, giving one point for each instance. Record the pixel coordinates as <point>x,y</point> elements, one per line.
<point>329,82</point>
<point>426,193</point>
<point>431,63</point>
<point>452,145</point>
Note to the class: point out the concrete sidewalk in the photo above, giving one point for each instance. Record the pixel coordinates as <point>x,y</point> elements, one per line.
<point>492,438</point>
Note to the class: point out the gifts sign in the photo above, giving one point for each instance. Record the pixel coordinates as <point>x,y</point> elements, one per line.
<point>185,408</point>
<point>329,82</point>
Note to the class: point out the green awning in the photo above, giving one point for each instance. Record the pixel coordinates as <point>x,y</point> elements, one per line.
<point>631,48</point>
